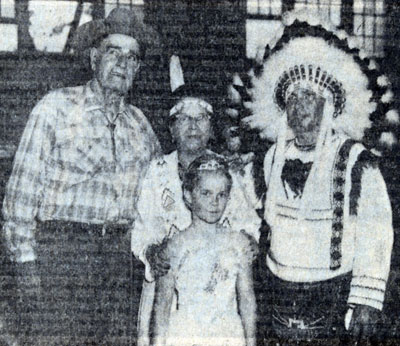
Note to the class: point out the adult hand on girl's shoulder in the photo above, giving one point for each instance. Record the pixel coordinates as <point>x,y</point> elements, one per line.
<point>158,259</point>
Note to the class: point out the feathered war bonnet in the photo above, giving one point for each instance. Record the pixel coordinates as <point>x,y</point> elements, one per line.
<point>308,49</point>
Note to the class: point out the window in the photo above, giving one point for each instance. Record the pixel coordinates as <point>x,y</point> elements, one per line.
<point>7,9</point>
<point>263,16</point>
<point>111,4</point>
<point>369,25</point>
<point>364,19</point>
<point>331,8</point>
<point>8,26</point>
<point>49,25</point>
<point>9,37</point>
<point>264,7</point>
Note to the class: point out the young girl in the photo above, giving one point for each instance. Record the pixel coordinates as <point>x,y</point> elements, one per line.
<point>210,270</point>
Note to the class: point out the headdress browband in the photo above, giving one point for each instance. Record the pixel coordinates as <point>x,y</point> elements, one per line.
<point>187,101</point>
<point>311,77</point>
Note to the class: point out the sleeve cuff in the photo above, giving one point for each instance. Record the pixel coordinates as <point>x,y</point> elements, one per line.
<point>367,290</point>
<point>141,255</point>
<point>21,240</point>
<point>147,269</point>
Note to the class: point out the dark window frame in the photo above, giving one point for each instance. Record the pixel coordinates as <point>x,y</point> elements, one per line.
<point>347,20</point>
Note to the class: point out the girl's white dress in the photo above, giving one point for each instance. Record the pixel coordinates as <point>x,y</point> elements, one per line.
<point>205,266</point>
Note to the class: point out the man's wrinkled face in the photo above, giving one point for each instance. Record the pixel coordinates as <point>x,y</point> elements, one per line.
<point>116,62</point>
<point>192,128</point>
<point>304,111</point>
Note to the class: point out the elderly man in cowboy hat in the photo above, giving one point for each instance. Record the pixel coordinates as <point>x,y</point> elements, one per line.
<point>70,201</point>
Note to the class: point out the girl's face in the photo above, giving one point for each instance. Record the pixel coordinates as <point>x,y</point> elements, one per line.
<point>209,197</point>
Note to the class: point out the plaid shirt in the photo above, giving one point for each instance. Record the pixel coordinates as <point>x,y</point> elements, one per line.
<point>69,167</point>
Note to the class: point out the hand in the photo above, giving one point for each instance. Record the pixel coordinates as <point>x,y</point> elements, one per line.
<point>20,247</point>
<point>157,257</point>
<point>363,322</point>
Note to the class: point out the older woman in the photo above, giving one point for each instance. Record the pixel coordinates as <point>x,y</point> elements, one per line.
<point>161,207</point>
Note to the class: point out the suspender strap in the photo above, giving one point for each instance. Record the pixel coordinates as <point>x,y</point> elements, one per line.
<point>339,180</point>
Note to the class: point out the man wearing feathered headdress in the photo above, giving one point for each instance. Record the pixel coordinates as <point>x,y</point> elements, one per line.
<point>326,202</point>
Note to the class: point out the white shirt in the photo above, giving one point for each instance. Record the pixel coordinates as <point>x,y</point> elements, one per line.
<point>300,247</point>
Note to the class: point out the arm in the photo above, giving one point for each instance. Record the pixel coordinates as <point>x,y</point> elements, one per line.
<point>247,304</point>
<point>240,211</point>
<point>162,307</point>
<point>146,227</point>
<point>146,207</point>
<point>25,186</point>
<point>249,186</point>
<point>372,253</point>
<point>373,242</point>
<point>146,197</point>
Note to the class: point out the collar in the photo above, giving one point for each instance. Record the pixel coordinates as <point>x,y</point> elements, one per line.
<point>94,101</point>
<point>292,152</point>
<point>169,159</point>
<point>309,147</point>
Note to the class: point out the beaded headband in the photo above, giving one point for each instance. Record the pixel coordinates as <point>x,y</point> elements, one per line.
<point>212,165</point>
<point>313,78</point>
<point>190,101</point>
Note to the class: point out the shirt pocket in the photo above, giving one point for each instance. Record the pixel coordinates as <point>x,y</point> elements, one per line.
<point>79,153</point>
<point>137,147</point>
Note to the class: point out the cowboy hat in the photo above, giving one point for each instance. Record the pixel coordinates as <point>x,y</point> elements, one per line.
<point>119,21</point>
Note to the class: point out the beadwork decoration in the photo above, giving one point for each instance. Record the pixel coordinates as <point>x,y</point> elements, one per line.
<point>212,165</point>
<point>321,82</point>
<point>309,51</point>
<point>186,102</point>
<point>339,180</point>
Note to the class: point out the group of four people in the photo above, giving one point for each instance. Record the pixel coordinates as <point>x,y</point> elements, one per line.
<point>90,186</point>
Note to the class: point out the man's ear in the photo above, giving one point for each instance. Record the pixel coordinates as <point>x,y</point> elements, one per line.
<point>187,197</point>
<point>94,53</point>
